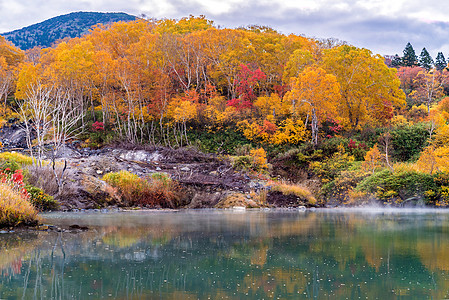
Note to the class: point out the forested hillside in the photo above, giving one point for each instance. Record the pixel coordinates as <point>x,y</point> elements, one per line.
<point>280,105</point>
<point>72,25</point>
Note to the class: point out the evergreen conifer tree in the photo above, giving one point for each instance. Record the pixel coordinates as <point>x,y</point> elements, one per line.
<point>440,62</point>
<point>396,61</point>
<point>409,59</point>
<point>425,60</point>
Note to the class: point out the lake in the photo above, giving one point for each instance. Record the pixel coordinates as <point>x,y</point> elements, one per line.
<point>220,254</point>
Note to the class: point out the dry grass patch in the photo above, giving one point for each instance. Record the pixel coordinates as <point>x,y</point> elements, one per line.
<point>15,209</point>
<point>293,189</point>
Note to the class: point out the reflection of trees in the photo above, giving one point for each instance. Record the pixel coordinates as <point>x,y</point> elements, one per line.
<point>305,255</point>
<point>13,249</point>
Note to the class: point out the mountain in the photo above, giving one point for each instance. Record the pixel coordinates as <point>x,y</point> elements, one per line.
<point>72,25</point>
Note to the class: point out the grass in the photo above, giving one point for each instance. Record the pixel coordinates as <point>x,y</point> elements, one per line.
<point>15,209</point>
<point>293,189</point>
<point>158,190</point>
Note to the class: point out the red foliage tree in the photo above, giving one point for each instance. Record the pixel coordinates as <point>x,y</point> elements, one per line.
<point>246,84</point>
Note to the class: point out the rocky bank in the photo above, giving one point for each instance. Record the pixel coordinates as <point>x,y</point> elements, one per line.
<point>206,180</point>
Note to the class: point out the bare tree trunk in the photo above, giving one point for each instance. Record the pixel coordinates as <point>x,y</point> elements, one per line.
<point>386,141</point>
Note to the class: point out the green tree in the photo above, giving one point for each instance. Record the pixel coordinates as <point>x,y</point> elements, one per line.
<point>396,62</point>
<point>425,60</point>
<point>409,59</point>
<point>440,62</point>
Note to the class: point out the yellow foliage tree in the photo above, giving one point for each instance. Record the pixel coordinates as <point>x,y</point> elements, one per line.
<point>297,62</point>
<point>287,132</point>
<point>369,89</point>
<point>427,161</point>
<point>318,92</point>
<point>434,159</point>
<point>181,111</point>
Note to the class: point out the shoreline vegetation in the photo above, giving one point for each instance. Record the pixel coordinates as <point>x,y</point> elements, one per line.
<point>184,114</point>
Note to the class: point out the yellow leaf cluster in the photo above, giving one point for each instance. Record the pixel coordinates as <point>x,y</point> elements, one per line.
<point>259,159</point>
<point>272,105</point>
<point>287,132</point>
<point>182,111</point>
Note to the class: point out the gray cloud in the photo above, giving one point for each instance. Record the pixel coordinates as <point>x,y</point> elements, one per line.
<point>381,26</point>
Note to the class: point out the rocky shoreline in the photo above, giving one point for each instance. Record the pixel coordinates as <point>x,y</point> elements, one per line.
<point>205,179</point>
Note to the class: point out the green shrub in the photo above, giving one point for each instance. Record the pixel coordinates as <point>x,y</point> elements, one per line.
<point>408,141</point>
<point>10,165</point>
<point>404,184</point>
<point>441,178</point>
<point>40,199</point>
<point>255,161</point>
<point>331,146</point>
<point>328,169</point>
<point>340,188</point>
<point>243,150</point>
<point>290,154</point>
<point>217,140</point>
<point>241,162</point>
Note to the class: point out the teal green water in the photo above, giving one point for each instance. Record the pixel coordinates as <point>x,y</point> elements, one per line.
<point>326,254</point>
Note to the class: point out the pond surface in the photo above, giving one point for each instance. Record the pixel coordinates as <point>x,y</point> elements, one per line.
<point>210,254</point>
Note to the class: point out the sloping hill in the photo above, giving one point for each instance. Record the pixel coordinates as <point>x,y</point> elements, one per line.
<point>72,25</point>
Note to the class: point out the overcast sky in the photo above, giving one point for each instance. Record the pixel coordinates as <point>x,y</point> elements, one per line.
<point>383,26</point>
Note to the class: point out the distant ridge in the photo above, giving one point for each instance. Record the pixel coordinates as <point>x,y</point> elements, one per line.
<point>71,25</point>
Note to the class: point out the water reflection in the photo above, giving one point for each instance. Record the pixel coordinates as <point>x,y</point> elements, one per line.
<point>228,255</point>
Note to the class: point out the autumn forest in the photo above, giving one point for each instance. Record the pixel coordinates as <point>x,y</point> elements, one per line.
<point>281,107</point>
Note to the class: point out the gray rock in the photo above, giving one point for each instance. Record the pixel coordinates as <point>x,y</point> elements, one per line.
<point>141,155</point>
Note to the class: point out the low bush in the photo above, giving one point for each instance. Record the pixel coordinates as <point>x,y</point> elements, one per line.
<point>340,190</point>
<point>158,190</point>
<point>41,200</point>
<point>327,170</point>
<point>402,184</point>
<point>14,158</point>
<point>243,150</point>
<point>333,145</point>
<point>242,162</point>
<point>217,140</point>
<point>15,208</point>
<point>255,161</point>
